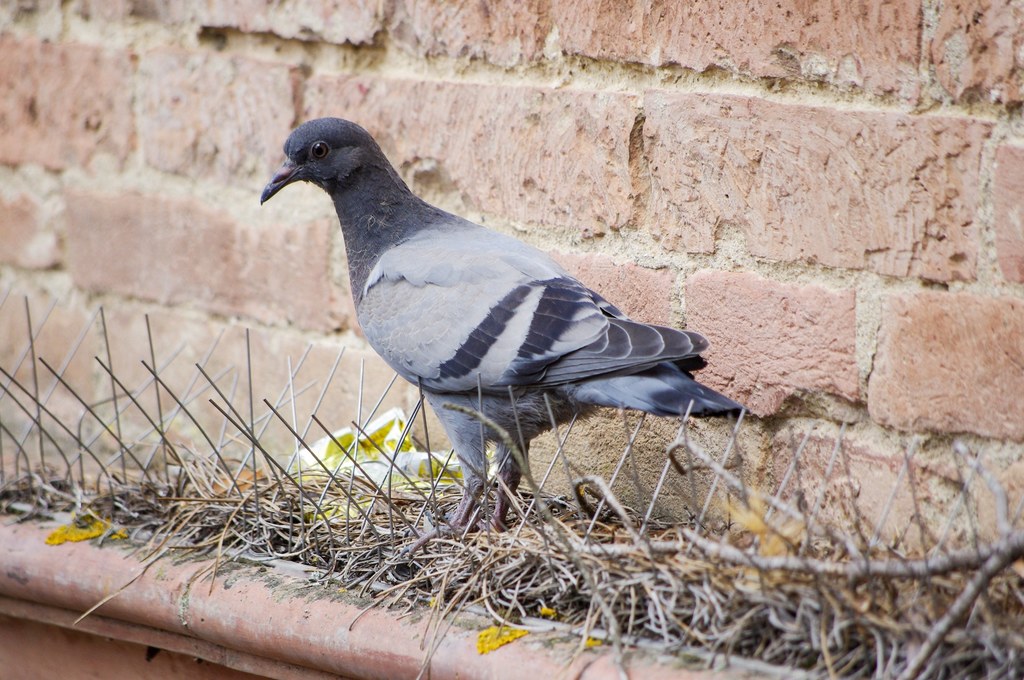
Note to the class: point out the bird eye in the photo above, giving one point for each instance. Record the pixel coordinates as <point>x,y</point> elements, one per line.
<point>319,149</point>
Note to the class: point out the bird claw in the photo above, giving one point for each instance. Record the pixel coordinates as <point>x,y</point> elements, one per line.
<point>440,531</point>
<point>425,538</point>
<point>459,526</point>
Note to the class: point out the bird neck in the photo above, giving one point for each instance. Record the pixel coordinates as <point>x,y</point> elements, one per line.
<point>377,211</point>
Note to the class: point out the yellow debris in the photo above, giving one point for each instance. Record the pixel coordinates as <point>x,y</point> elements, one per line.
<point>548,613</point>
<point>779,539</point>
<point>592,642</point>
<point>378,453</point>
<point>494,637</point>
<point>82,528</point>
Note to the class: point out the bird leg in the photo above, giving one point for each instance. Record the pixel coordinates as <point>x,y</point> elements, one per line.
<point>469,513</point>
<point>464,517</point>
<point>466,433</point>
<point>510,475</point>
<point>511,479</point>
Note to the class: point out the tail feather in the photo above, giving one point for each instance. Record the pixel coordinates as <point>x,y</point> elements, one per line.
<point>662,390</point>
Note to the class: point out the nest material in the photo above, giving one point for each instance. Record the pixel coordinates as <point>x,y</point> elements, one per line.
<point>781,593</point>
<point>775,587</point>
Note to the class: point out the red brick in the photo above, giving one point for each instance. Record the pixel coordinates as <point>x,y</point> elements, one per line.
<point>978,49</point>
<point>506,32</point>
<point>528,155</point>
<point>212,116</point>
<point>337,21</point>
<point>176,251</point>
<point>770,340</point>
<point>1012,480</point>
<point>1009,207</point>
<point>63,104</point>
<point>889,192</point>
<point>864,473</point>
<point>56,326</point>
<point>874,45</point>
<point>644,294</point>
<point>340,405</point>
<point>181,339</point>
<point>26,243</point>
<point>952,362</point>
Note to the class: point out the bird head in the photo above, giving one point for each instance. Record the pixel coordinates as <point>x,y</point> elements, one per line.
<point>325,152</point>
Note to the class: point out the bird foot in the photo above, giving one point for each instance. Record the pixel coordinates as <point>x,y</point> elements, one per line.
<point>448,530</point>
<point>413,547</point>
<point>463,521</point>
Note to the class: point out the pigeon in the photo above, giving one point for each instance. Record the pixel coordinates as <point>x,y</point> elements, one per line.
<point>503,342</point>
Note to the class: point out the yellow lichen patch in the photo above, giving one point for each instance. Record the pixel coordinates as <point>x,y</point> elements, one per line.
<point>82,528</point>
<point>491,638</point>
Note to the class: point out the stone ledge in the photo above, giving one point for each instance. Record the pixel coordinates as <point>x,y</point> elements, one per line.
<point>265,620</point>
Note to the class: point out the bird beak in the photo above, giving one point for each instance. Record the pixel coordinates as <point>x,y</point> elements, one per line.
<point>285,175</point>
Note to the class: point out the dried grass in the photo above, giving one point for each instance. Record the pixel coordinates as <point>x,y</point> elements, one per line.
<point>776,589</point>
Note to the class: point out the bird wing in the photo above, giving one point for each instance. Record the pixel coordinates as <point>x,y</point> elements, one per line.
<point>466,309</point>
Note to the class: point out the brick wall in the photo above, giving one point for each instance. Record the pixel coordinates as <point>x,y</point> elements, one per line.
<point>832,192</point>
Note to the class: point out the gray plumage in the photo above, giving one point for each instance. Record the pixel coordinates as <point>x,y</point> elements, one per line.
<point>482,320</point>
